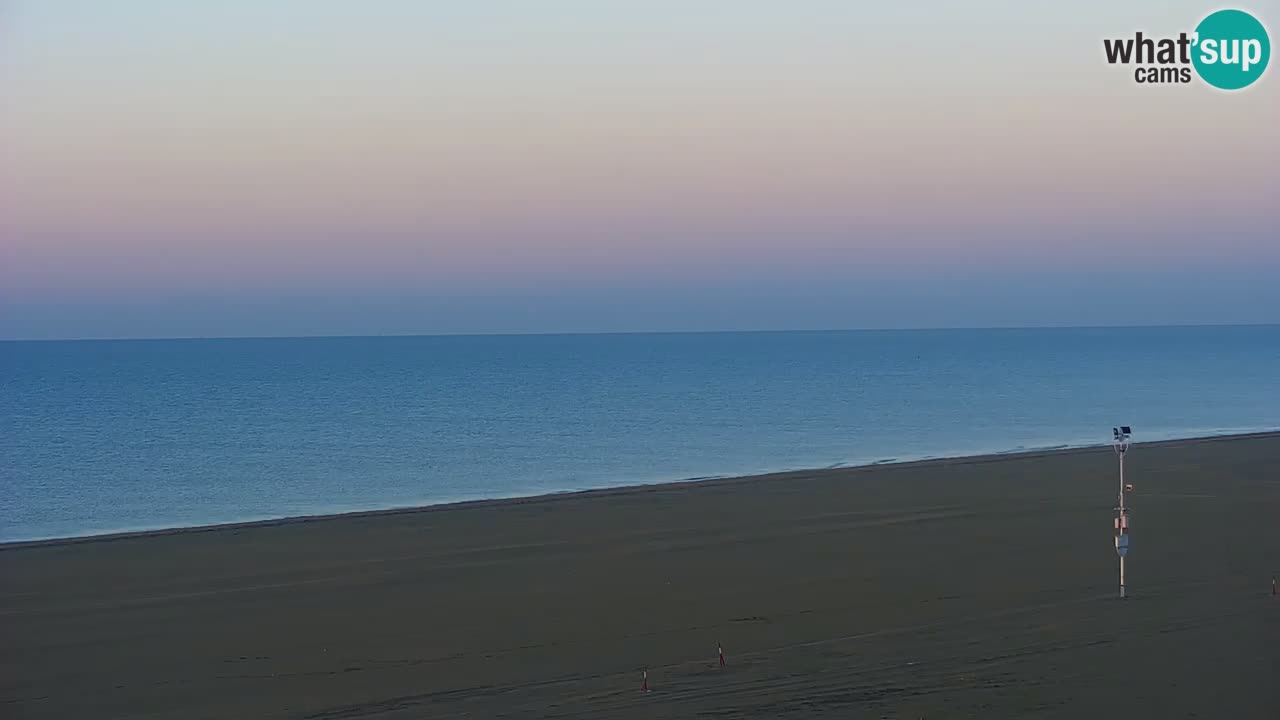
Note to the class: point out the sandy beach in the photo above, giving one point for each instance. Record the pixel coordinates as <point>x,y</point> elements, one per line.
<point>978,587</point>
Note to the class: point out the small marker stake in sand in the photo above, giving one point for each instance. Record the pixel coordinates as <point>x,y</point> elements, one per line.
<point>644,685</point>
<point>1274,592</point>
<point>721,649</point>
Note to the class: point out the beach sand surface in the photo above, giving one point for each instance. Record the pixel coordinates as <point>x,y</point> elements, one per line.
<point>980,587</point>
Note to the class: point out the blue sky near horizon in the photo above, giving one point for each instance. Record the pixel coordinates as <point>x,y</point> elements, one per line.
<point>297,168</point>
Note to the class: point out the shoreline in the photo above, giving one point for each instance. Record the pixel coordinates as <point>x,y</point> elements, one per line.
<point>614,491</point>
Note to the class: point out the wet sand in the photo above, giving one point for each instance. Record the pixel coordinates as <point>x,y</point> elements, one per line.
<point>981,587</point>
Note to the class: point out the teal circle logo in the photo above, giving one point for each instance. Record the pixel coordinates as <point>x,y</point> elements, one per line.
<point>1231,49</point>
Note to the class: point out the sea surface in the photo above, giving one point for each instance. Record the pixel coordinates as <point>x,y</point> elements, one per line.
<point>105,436</point>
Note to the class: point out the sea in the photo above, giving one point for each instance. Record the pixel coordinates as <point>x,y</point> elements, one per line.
<point>110,436</point>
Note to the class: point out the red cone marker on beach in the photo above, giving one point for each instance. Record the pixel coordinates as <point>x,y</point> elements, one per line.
<point>721,649</point>
<point>644,686</point>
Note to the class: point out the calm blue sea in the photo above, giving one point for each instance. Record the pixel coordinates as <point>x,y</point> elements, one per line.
<point>103,436</point>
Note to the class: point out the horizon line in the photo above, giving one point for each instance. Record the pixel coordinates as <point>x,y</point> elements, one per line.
<point>339,336</point>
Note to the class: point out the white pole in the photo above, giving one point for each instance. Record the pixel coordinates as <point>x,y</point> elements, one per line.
<point>1122,576</point>
<point>1122,479</point>
<point>1122,516</point>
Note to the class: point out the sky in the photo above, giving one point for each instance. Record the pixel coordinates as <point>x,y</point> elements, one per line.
<point>291,167</point>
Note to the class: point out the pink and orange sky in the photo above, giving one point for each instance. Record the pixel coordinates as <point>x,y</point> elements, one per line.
<point>289,167</point>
